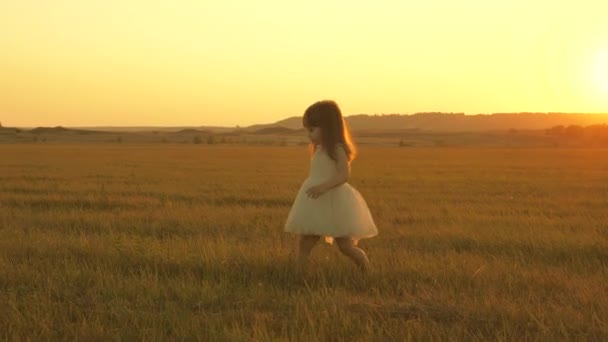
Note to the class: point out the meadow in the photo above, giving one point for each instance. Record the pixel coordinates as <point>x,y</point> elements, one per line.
<point>185,242</point>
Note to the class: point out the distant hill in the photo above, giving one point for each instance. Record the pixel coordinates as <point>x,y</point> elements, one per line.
<point>9,130</point>
<point>192,131</point>
<point>276,130</point>
<point>159,129</point>
<point>457,122</point>
<point>294,122</point>
<point>431,122</point>
<point>61,130</point>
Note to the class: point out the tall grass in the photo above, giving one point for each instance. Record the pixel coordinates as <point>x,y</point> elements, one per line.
<point>186,242</point>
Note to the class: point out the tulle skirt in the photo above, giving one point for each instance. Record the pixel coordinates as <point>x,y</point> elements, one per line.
<point>340,212</point>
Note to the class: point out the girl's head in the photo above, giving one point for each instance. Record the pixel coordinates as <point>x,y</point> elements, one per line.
<point>326,127</point>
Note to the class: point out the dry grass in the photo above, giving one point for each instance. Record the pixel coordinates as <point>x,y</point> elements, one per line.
<point>185,242</point>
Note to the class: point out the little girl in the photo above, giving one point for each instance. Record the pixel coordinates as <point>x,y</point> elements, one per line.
<point>326,205</point>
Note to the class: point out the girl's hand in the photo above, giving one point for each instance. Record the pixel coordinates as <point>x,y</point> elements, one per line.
<point>316,191</point>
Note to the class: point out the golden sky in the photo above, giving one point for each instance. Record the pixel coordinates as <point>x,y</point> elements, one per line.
<point>229,62</point>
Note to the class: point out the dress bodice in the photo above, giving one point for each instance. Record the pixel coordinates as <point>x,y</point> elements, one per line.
<point>322,166</point>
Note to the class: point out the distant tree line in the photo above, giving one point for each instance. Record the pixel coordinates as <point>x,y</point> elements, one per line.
<point>589,135</point>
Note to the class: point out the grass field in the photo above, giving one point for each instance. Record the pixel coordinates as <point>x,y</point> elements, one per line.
<point>170,242</point>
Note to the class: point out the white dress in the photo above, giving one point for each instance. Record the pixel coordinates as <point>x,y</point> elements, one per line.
<point>339,212</point>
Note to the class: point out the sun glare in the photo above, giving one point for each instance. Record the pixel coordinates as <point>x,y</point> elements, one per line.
<point>600,71</point>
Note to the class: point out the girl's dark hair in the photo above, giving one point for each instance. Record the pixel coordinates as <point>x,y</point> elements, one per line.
<point>327,116</point>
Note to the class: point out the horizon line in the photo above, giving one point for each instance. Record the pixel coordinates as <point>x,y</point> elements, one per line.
<point>290,117</point>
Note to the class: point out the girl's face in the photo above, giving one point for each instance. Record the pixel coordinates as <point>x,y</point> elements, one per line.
<point>314,134</point>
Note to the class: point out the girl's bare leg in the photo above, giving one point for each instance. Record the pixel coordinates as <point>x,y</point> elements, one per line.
<point>347,247</point>
<point>307,242</point>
